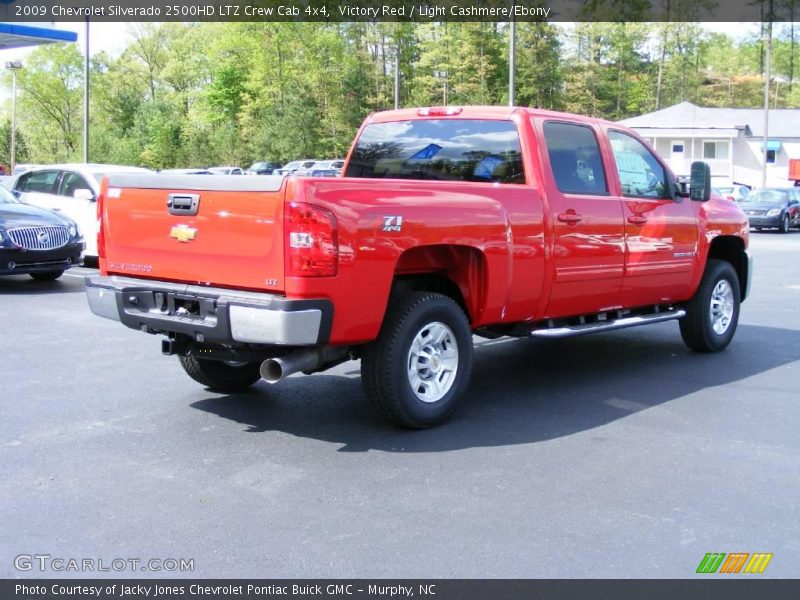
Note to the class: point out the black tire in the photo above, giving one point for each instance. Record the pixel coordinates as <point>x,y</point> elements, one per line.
<point>220,376</point>
<point>386,362</point>
<point>784,226</point>
<point>698,326</point>
<point>47,275</point>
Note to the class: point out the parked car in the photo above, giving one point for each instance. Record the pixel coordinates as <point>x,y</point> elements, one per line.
<point>263,168</point>
<point>185,172</point>
<point>296,167</point>
<point>449,221</point>
<point>326,168</point>
<point>773,208</point>
<point>36,241</point>
<point>226,170</point>
<point>71,189</point>
<point>736,192</point>
<point>20,169</point>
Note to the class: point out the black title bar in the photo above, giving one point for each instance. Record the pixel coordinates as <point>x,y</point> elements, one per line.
<point>703,587</point>
<point>395,10</point>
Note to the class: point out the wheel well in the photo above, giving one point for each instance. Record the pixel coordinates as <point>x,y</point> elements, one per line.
<point>731,249</point>
<point>458,272</point>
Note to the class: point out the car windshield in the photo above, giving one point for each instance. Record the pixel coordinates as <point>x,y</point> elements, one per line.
<point>767,196</point>
<point>258,165</point>
<point>7,197</point>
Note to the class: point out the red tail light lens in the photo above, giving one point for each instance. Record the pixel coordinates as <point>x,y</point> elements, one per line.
<point>312,245</point>
<point>101,238</point>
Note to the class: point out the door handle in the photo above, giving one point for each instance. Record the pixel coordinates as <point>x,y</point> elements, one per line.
<point>637,219</point>
<point>569,217</point>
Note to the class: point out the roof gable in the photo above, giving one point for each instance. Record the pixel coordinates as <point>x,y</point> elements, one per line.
<point>685,115</point>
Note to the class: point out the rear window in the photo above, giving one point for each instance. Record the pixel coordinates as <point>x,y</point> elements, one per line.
<point>444,150</point>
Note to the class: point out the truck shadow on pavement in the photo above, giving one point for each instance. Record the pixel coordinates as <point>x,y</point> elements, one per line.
<point>522,391</point>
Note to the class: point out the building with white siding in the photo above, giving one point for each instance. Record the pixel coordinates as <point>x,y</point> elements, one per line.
<point>730,140</point>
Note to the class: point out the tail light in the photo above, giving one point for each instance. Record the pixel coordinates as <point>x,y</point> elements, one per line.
<point>101,238</point>
<point>312,245</point>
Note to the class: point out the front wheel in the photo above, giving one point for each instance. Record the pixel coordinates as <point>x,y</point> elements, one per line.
<point>221,376</point>
<point>420,365</point>
<point>47,275</point>
<point>784,226</point>
<point>713,313</point>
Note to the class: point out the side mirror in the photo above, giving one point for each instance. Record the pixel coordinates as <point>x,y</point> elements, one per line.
<point>83,194</point>
<point>700,182</point>
<point>17,193</point>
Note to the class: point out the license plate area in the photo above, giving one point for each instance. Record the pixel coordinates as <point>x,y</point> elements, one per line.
<point>171,306</point>
<point>184,306</point>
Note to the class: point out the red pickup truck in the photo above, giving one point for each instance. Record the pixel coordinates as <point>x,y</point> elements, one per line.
<point>447,222</point>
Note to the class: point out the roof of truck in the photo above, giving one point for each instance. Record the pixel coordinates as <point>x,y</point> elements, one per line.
<point>475,112</point>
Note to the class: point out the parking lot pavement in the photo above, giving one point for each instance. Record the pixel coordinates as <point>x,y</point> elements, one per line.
<point>616,455</point>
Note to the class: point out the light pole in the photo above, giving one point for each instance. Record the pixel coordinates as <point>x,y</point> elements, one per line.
<point>86,98</point>
<point>512,57</point>
<point>443,75</point>
<point>13,66</point>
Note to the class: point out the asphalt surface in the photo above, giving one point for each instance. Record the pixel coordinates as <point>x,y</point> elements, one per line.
<point>616,455</point>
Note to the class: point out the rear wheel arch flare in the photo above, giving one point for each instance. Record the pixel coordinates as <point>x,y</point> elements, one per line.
<point>459,272</point>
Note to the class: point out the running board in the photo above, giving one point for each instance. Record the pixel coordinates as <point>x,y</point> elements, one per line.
<point>610,325</point>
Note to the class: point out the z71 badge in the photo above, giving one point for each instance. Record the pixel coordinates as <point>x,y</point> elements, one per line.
<point>393,223</point>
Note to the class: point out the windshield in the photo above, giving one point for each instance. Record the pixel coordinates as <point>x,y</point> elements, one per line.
<point>767,196</point>
<point>258,165</point>
<point>7,197</point>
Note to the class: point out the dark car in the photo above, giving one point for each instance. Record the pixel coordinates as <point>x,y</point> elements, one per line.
<point>263,168</point>
<point>36,241</point>
<point>773,207</point>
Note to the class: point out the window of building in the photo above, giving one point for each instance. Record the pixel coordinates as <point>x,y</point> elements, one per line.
<point>771,157</point>
<point>715,150</point>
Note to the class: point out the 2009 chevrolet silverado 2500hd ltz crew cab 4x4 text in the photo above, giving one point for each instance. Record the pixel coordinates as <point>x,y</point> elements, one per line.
<point>448,222</point>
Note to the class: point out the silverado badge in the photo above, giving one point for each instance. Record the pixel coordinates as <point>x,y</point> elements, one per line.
<point>183,233</point>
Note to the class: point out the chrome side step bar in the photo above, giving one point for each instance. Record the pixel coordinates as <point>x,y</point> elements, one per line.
<point>609,325</point>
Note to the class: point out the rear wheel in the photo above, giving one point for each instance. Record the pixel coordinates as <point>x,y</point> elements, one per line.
<point>419,367</point>
<point>221,376</point>
<point>47,275</point>
<point>713,313</point>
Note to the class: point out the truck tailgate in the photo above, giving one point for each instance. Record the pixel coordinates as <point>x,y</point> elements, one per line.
<point>202,229</point>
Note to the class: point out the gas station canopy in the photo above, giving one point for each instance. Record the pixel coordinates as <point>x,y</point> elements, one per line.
<point>18,36</point>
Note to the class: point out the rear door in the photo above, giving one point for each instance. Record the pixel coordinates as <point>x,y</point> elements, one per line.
<point>586,221</point>
<point>77,200</point>
<point>660,232</point>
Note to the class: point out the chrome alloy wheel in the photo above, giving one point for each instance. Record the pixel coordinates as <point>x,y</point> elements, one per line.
<point>721,307</point>
<point>433,362</point>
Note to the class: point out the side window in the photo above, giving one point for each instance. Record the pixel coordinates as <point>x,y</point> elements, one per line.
<point>441,149</point>
<point>72,182</point>
<point>640,173</point>
<point>39,181</point>
<point>575,158</point>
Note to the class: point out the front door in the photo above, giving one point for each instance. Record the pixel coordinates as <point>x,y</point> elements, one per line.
<point>586,221</point>
<point>660,231</point>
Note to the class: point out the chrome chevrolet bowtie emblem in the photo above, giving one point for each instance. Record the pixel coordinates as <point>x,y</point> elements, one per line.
<point>183,233</point>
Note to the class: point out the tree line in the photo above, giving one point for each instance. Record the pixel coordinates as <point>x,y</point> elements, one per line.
<point>192,94</point>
